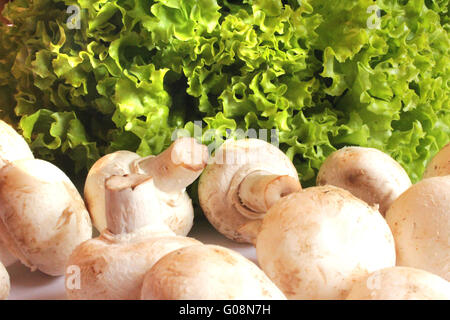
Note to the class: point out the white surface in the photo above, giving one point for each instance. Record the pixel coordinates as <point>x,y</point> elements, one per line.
<point>27,285</point>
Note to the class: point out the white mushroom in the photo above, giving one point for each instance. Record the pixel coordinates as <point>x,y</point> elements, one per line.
<point>243,180</point>
<point>367,173</point>
<point>315,243</point>
<point>42,215</point>
<point>420,223</point>
<point>5,285</point>
<point>439,164</point>
<point>172,171</point>
<point>400,283</point>
<point>12,147</point>
<point>113,265</point>
<point>207,272</point>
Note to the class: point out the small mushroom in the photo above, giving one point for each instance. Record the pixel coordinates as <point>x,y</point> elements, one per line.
<point>207,272</point>
<point>420,222</point>
<point>5,285</point>
<point>42,215</point>
<point>315,243</point>
<point>400,283</point>
<point>12,147</point>
<point>113,265</point>
<point>172,171</point>
<point>439,164</point>
<point>367,173</point>
<point>243,180</point>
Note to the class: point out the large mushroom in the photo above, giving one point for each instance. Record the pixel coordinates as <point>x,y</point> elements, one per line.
<point>4,283</point>
<point>400,283</point>
<point>113,265</point>
<point>439,164</point>
<point>207,272</point>
<point>243,180</point>
<point>315,243</point>
<point>42,215</point>
<point>420,223</point>
<point>367,173</point>
<point>172,171</point>
<point>12,147</point>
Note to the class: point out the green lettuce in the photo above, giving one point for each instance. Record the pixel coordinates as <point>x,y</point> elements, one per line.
<point>323,75</point>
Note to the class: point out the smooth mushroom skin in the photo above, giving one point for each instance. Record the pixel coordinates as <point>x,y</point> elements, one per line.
<point>315,243</point>
<point>207,272</point>
<point>420,222</point>
<point>171,173</point>
<point>400,283</point>
<point>439,164</point>
<point>12,147</point>
<point>112,267</point>
<point>42,215</point>
<point>367,173</point>
<point>5,284</point>
<point>243,179</point>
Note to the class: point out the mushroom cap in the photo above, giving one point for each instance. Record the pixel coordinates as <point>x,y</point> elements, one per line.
<point>207,272</point>
<point>236,159</point>
<point>12,145</point>
<point>113,267</point>
<point>439,164</point>
<point>116,163</point>
<point>176,208</point>
<point>42,215</point>
<point>400,283</point>
<point>315,243</point>
<point>367,173</point>
<point>420,222</point>
<point>5,285</point>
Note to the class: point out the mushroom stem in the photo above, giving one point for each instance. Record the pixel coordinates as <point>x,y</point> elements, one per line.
<point>127,204</point>
<point>177,167</point>
<point>260,189</point>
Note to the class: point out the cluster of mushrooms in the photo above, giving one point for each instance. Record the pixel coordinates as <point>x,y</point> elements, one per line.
<point>364,232</point>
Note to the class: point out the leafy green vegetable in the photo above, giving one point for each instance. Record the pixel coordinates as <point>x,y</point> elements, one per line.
<point>319,73</point>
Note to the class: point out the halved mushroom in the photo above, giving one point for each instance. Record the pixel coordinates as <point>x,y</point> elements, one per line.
<point>172,171</point>
<point>400,283</point>
<point>243,180</point>
<point>5,285</point>
<point>12,147</point>
<point>207,272</point>
<point>42,215</point>
<point>367,173</point>
<point>113,265</point>
<point>315,243</point>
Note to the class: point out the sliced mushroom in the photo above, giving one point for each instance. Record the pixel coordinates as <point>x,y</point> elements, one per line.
<point>367,173</point>
<point>315,243</point>
<point>243,180</point>
<point>172,171</point>
<point>207,272</point>
<point>113,265</point>
<point>42,215</point>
